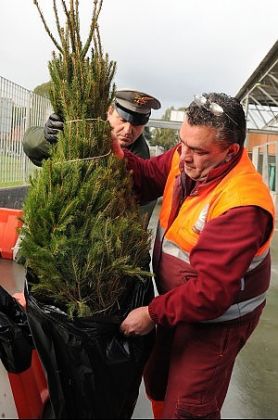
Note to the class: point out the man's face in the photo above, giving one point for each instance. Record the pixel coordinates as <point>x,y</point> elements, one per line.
<point>200,151</point>
<point>125,132</point>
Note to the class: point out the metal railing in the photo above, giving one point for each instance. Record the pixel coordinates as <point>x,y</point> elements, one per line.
<point>19,109</point>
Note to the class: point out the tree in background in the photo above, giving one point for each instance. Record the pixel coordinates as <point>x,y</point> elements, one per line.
<point>148,134</point>
<point>165,137</point>
<point>44,89</point>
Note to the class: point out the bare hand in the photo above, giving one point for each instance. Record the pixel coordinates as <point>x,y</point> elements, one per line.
<point>116,146</point>
<point>138,322</point>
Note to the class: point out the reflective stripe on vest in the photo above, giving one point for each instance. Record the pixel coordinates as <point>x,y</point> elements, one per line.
<point>160,232</point>
<point>257,260</point>
<point>240,309</point>
<point>170,248</point>
<point>236,310</point>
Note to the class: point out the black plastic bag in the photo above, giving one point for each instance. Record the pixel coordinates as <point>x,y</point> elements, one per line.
<point>93,371</point>
<point>16,342</point>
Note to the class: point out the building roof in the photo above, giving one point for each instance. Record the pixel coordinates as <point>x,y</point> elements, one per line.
<point>259,94</point>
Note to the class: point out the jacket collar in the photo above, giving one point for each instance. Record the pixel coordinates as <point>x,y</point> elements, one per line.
<point>189,186</point>
<point>221,170</point>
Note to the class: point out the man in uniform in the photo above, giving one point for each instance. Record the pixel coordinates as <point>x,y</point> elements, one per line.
<point>128,115</point>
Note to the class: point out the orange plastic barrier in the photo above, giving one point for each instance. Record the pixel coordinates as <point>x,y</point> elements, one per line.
<point>157,407</point>
<point>29,389</point>
<point>9,223</point>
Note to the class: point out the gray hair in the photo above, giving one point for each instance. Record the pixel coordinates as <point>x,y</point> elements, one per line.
<point>222,112</point>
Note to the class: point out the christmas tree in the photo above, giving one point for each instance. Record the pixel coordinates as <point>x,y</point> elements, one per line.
<point>83,238</point>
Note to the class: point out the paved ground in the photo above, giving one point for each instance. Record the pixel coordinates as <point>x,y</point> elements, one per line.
<point>253,391</point>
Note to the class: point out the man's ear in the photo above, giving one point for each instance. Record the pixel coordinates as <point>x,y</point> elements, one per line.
<point>110,111</point>
<point>233,149</point>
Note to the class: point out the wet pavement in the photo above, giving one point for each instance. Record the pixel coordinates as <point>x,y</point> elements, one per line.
<point>253,391</point>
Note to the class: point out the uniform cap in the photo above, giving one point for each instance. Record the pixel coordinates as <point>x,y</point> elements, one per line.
<point>135,106</point>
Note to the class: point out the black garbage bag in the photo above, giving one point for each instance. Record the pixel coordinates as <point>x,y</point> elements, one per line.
<point>93,371</point>
<point>16,342</point>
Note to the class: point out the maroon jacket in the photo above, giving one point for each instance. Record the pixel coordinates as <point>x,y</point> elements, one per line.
<point>243,231</point>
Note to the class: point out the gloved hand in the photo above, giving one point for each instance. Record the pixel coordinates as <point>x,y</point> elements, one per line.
<point>52,127</point>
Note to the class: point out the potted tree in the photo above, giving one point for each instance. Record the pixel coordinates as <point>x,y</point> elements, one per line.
<point>84,243</point>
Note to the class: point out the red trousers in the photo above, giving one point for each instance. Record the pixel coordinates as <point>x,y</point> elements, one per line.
<point>191,365</point>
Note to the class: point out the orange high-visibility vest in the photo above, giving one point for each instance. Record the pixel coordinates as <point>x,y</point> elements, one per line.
<point>242,186</point>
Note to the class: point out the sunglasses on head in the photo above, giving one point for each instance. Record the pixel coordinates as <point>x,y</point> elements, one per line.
<point>217,110</point>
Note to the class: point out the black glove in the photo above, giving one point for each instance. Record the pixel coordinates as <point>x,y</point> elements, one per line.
<point>52,127</point>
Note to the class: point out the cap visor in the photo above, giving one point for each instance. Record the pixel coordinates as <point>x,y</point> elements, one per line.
<point>133,118</point>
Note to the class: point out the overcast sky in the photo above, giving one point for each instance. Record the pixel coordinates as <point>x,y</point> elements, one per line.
<point>172,49</point>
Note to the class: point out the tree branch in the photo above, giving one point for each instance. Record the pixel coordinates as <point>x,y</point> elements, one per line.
<point>47,27</point>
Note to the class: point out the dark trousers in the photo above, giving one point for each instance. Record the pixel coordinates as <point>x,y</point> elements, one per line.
<point>191,365</point>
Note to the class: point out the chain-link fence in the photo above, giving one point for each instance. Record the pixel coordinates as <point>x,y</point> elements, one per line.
<point>19,109</point>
